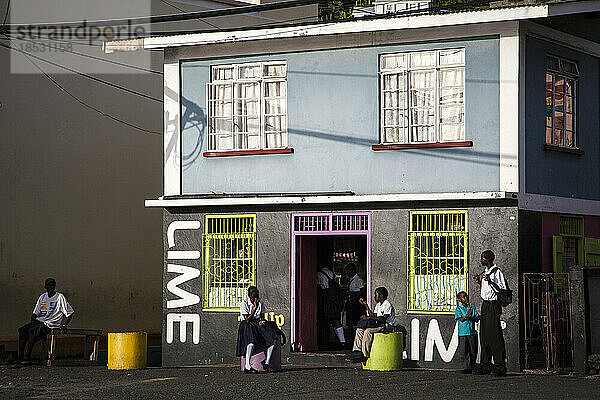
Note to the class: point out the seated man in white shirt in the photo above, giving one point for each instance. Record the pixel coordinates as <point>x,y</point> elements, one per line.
<point>375,321</point>
<point>47,315</point>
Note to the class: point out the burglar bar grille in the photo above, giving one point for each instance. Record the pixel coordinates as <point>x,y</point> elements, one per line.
<point>229,260</point>
<point>324,223</point>
<point>437,260</point>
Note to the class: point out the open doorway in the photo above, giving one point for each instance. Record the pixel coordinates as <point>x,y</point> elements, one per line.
<point>312,330</point>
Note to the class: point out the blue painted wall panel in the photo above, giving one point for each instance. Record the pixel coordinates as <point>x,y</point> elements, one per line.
<point>550,172</point>
<point>333,105</point>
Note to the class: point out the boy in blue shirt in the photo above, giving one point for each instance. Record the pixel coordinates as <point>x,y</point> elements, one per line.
<point>466,315</point>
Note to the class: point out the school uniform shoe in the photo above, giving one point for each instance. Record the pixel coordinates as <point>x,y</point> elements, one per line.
<point>480,371</point>
<point>265,366</point>
<point>466,371</point>
<point>355,356</point>
<point>497,374</point>
<point>250,371</point>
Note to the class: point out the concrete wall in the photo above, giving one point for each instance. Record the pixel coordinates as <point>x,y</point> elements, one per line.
<point>333,109</point>
<point>73,181</point>
<point>492,227</point>
<point>551,172</point>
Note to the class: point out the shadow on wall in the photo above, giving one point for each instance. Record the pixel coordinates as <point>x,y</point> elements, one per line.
<point>193,118</point>
<point>193,122</point>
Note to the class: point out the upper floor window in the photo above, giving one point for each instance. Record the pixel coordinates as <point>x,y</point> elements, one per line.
<point>247,107</point>
<point>561,101</point>
<point>422,96</point>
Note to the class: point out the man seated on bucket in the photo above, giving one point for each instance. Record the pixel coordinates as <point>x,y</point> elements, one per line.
<point>47,315</point>
<point>374,321</point>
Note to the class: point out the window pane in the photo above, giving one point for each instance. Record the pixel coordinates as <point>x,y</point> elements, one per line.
<point>393,61</point>
<point>395,135</point>
<point>558,137</point>
<point>452,132</point>
<point>278,70</point>
<point>569,139</point>
<point>249,71</point>
<point>451,96</point>
<point>569,67</point>
<point>220,73</point>
<point>552,63</point>
<point>570,86</point>
<point>548,81</point>
<point>559,84</point>
<point>422,59</point>
<point>390,99</point>
<point>549,99</point>
<point>449,57</point>
<point>569,122</point>
<point>549,135</point>
<point>569,104</point>
<point>422,134</point>
<point>275,140</point>
<point>558,120</point>
<point>549,121</point>
<point>451,114</point>
<point>559,101</point>
<point>452,77</point>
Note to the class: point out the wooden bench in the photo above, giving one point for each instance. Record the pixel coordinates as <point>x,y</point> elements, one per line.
<point>91,336</point>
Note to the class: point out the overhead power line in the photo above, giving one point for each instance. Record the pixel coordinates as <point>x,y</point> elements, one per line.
<point>83,103</point>
<point>114,85</point>
<point>162,18</point>
<point>93,57</point>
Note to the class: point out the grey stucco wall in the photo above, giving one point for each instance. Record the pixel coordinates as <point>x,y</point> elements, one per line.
<point>551,172</point>
<point>490,228</point>
<point>333,111</point>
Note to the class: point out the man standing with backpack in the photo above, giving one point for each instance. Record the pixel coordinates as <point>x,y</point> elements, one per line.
<point>492,340</point>
<point>332,298</point>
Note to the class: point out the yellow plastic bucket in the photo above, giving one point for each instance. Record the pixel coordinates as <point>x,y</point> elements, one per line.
<point>127,350</point>
<point>386,352</point>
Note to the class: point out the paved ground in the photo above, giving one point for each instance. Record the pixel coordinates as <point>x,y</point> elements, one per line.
<point>87,382</point>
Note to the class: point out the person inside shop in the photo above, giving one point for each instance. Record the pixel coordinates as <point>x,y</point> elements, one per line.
<point>383,317</point>
<point>331,299</point>
<point>356,291</point>
<point>51,311</point>
<point>255,332</point>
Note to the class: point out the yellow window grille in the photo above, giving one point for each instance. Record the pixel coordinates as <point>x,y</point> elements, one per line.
<point>437,260</point>
<point>229,260</point>
<point>571,226</point>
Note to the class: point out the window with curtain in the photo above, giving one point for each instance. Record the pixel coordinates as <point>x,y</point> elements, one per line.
<point>422,96</point>
<point>561,81</point>
<point>247,107</point>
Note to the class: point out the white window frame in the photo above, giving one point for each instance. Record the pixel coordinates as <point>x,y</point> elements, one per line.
<point>437,93</point>
<point>561,73</point>
<point>262,82</point>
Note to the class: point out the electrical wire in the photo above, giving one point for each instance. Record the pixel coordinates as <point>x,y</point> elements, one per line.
<point>114,85</point>
<point>83,103</point>
<point>164,18</point>
<point>183,11</point>
<point>7,10</point>
<point>94,57</point>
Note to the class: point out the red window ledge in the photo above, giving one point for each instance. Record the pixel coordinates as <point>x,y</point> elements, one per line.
<point>246,152</point>
<point>378,147</point>
<point>570,150</point>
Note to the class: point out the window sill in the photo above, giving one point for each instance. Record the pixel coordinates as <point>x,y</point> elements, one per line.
<point>570,150</point>
<point>378,147</point>
<point>232,153</point>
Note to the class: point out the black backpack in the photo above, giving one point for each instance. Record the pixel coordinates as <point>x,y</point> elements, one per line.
<point>504,296</point>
